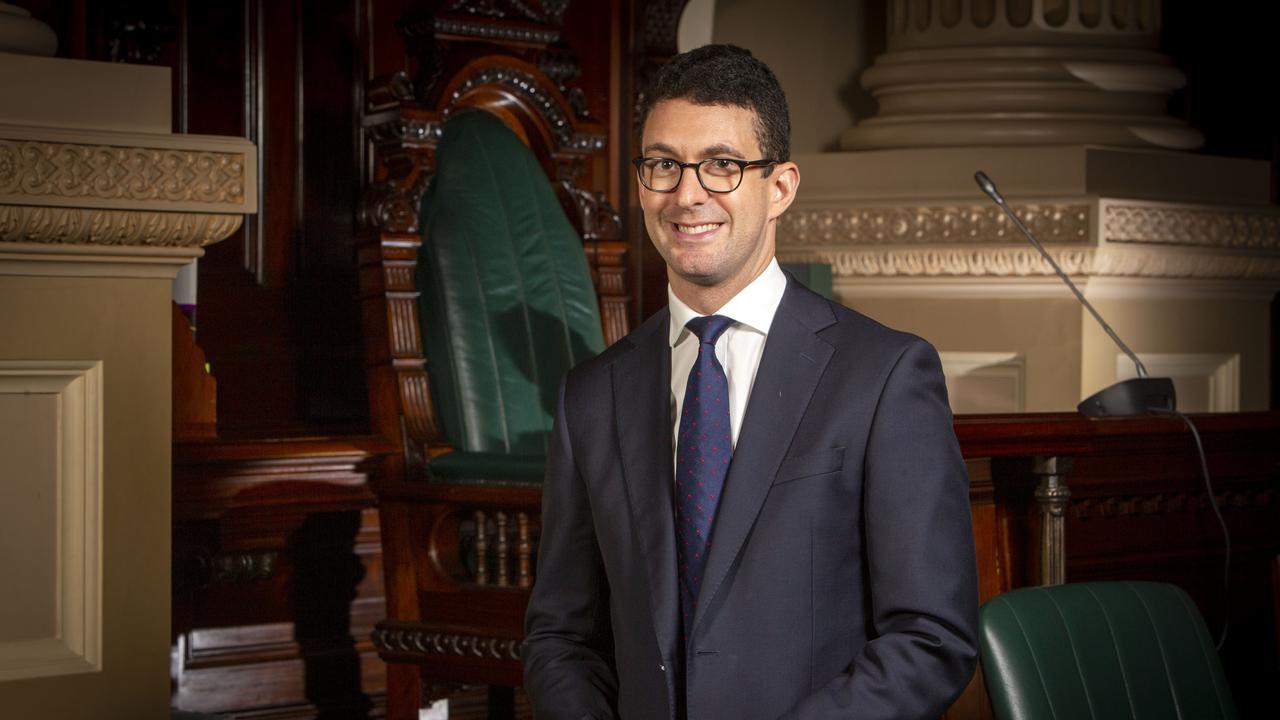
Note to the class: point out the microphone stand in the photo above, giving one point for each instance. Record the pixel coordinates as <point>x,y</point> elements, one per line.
<point>1142,395</point>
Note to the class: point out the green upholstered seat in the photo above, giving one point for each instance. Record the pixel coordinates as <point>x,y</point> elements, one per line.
<point>507,304</point>
<point>1101,650</point>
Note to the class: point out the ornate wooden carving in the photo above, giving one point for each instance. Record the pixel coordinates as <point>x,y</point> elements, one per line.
<point>460,559</point>
<point>407,640</point>
<point>403,136</point>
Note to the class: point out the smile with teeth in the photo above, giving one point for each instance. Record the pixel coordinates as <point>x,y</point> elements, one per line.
<point>697,229</point>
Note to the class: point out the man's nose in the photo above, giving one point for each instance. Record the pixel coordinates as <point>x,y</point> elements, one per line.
<point>690,192</point>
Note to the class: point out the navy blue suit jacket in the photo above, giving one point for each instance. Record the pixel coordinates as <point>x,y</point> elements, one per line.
<point>841,578</point>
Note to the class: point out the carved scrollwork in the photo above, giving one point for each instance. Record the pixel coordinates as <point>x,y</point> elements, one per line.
<point>103,172</point>
<point>399,130</point>
<point>393,205</point>
<point>195,569</point>
<point>242,567</point>
<point>21,223</point>
<point>386,91</point>
<point>591,213</point>
<point>1236,229</point>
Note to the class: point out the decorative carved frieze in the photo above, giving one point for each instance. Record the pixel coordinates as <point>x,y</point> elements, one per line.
<point>114,188</point>
<point>398,129</point>
<point>539,11</point>
<point>488,31</point>
<point>1167,503</point>
<point>1014,262</point>
<point>70,170</point>
<point>1239,228</point>
<point>979,241</point>
<point>25,223</point>
<point>396,639</point>
<point>393,206</point>
<point>528,86</point>
<point>1051,222</point>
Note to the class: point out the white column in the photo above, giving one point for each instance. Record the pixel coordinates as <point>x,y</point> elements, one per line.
<point>1022,72</point>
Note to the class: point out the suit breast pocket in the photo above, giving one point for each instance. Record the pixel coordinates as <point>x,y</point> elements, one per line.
<point>812,464</point>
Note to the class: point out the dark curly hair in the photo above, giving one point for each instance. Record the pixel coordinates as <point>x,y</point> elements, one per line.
<point>726,75</point>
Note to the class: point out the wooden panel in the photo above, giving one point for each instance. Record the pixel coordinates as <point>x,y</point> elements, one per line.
<point>278,579</point>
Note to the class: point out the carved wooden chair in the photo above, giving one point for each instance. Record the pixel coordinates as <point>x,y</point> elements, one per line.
<point>470,258</point>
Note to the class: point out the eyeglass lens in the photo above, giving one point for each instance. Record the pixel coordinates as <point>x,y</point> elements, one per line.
<point>716,175</point>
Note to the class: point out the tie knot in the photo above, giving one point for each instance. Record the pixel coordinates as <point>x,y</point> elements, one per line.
<point>709,328</point>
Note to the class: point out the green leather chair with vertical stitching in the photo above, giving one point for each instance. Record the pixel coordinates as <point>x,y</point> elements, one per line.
<point>1101,650</point>
<point>507,304</point>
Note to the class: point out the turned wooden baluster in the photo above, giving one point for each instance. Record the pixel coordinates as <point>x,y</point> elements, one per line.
<point>500,519</point>
<point>524,550</point>
<point>482,549</point>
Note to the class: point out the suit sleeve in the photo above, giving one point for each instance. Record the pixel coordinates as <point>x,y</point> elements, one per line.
<point>921,564</point>
<point>568,655</point>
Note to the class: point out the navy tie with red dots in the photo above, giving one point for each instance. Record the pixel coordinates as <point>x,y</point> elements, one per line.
<point>704,447</point>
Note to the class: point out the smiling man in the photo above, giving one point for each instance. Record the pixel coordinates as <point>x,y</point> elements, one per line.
<point>755,505</point>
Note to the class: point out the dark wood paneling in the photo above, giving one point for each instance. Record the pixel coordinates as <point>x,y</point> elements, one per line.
<point>277,578</point>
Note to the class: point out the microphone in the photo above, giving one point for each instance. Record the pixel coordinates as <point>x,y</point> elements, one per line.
<point>1137,396</point>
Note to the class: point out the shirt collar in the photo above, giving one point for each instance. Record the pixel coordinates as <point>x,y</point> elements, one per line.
<point>753,306</point>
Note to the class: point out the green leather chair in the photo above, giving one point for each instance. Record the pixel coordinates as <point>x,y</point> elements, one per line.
<point>1101,650</point>
<point>507,304</point>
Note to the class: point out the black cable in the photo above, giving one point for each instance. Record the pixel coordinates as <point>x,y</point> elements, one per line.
<point>1226,534</point>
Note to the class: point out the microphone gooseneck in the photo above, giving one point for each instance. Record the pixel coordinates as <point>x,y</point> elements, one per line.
<point>989,188</point>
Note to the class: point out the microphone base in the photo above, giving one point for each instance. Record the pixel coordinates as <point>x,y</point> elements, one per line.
<point>1136,396</point>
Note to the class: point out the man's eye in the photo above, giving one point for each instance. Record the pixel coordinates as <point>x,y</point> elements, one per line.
<point>666,164</point>
<point>719,167</point>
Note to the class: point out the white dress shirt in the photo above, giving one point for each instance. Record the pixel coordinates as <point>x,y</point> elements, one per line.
<point>738,348</point>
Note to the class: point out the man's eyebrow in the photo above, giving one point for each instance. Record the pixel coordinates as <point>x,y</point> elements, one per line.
<point>721,150</point>
<point>659,148</point>
<point>717,150</point>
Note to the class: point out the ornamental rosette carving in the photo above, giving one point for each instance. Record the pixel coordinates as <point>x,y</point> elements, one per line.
<point>21,223</point>
<point>1057,223</point>
<point>417,641</point>
<point>103,172</point>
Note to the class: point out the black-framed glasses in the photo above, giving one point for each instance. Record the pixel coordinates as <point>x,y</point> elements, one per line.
<point>717,175</point>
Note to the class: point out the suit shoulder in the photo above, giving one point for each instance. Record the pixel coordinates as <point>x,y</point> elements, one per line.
<point>598,364</point>
<point>853,330</point>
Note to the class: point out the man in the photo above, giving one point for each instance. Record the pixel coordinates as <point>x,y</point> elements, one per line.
<point>755,505</point>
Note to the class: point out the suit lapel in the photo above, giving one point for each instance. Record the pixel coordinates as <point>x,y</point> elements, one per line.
<point>793,361</point>
<point>642,407</point>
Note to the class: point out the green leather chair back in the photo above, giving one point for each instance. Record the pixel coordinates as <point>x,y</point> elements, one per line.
<point>1101,650</point>
<point>507,304</point>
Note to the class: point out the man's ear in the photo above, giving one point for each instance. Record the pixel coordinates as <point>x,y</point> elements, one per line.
<point>785,183</point>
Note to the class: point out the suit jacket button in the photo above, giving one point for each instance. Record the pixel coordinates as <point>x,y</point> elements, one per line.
<point>662,668</point>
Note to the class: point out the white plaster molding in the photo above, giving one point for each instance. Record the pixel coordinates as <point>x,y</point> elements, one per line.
<point>1220,370</point>
<point>76,646</point>
<point>1020,262</point>
<point>1008,368</point>
<point>1050,287</point>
